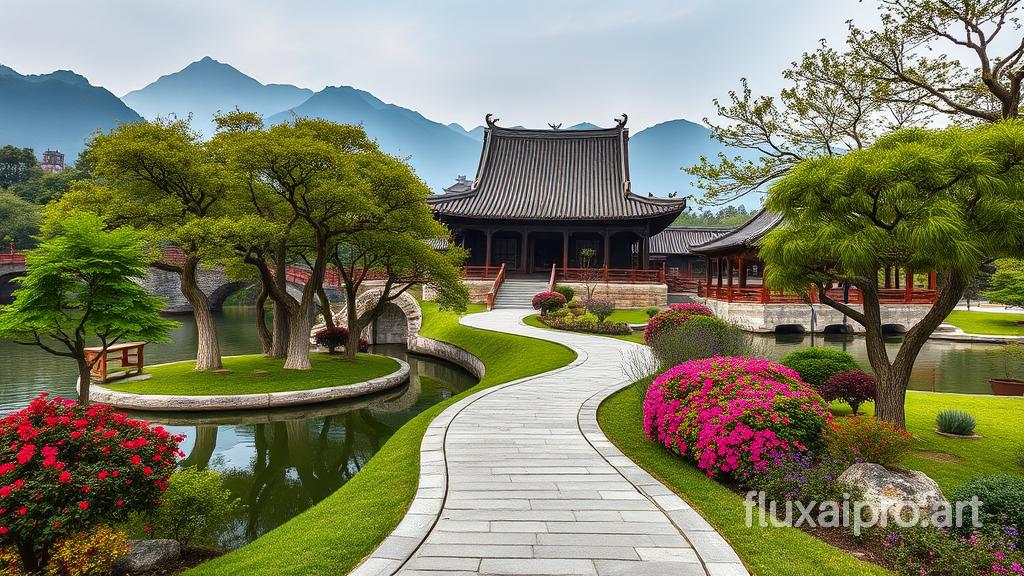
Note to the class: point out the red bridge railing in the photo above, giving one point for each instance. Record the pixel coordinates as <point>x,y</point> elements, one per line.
<point>761,294</point>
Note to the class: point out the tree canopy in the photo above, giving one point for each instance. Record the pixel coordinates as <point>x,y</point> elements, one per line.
<point>1006,286</point>
<point>945,201</point>
<point>79,290</point>
<point>17,165</point>
<point>897,75</point>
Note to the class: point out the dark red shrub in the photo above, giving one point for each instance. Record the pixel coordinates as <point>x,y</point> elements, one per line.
<point>853,387</point>
<point>666,320</point>
<point>65,468</point>
<point>548,301</point>
<point>337,337</point>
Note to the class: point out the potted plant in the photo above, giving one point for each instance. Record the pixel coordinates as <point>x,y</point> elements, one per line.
<point>1013,358</point>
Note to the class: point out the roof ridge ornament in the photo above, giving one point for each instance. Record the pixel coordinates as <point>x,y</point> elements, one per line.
<point>621,122</point>
<point>491,122</point>
<point>554,126</point>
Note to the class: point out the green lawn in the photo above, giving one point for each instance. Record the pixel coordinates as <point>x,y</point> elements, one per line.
<point>336,534</point>
<point>765,551</point>
<point>952,461</point>
<point>328,370</point>
<point>987,322</point>
<point>782,551</point>
<point>534,320</point>
<point>629,316</point>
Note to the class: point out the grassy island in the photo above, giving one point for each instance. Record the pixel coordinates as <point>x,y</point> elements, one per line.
<point>257,374</point>
<point>995,323</point>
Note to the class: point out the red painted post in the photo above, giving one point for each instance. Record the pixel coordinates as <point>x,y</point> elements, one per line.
<point>908,295</point>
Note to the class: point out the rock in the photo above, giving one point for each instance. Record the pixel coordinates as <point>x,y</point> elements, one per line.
<point>146,555</point>
<point>261,372</point>
<point>222,371</point>
<point>891,491</point>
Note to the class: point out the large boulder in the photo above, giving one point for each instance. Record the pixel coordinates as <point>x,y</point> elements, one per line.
<point>146,555</point>
<point>894,492</point>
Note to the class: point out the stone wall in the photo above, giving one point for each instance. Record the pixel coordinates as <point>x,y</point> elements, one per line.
<point>755,317</point>
<point>478,290</point>
<point>391,327</point>
<point>626,295</point>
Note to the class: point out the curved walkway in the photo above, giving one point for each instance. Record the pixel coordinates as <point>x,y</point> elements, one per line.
<point>519,479</point>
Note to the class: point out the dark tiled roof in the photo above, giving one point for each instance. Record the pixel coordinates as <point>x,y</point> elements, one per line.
<point>554,175</point>
<point>742,237</point>
<point>678,240</point>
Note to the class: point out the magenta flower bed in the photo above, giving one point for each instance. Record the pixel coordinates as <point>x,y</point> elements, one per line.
<point>728,414</point>
<point>664,321</point>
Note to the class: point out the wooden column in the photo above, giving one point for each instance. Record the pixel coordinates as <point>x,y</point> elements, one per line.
<point>718,270</point>
<point>932,280</point>
<point>487,259</point>
<point>565,249</point>
<point>888,276</point>
<point>525,253</point>
<point>607,248</point>
<point>728,266</point>
<point>743,272</point>
<point>707,274</point>
<point>909,294</point>
<point>645,253</point>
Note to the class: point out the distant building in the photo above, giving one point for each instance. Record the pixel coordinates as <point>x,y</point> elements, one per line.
<point>53,162</point>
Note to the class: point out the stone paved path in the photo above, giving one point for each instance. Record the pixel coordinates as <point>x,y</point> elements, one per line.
<point>519,479</point>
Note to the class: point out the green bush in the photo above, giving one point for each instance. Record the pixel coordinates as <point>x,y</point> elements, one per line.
<point>651,311</point>
<point>566,291</point>
<point>195,507</point>
<point>929,550</point>
<point>701,337</point>
<point>816,365</point>
<point>1020,456</point>
<point>1002,498</point>
<point>955,422</point>
<point>600,308</point>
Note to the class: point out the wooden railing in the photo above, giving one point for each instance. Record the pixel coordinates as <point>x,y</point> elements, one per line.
<point>762,295</point>
<point>498,279</point>
<point>611,275</point>
<point>481,272</point>
<point>12,258</point>
<point>679,283</point>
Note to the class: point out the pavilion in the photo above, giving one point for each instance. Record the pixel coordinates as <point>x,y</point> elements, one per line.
<point>540,197</point>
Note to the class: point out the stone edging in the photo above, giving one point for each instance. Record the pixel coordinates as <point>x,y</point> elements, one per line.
<point>428,502</point>
<point>182,403</point>
<point>713,551</point>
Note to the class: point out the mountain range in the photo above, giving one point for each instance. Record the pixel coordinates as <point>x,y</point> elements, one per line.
<point>61,109</point>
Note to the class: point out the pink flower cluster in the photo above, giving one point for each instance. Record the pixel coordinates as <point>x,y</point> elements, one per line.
<point>731,413</point>
<point>664,321</point>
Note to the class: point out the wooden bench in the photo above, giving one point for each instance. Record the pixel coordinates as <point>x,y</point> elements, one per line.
<point>127,358</point>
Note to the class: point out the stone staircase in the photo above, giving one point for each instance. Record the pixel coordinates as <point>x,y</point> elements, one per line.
<point>518,293</point>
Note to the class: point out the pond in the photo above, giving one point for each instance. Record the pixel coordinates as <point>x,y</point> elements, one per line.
<point>277,462</point>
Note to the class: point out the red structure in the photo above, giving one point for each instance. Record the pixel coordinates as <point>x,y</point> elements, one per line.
<point>10,256</point>
<point>734,273</point>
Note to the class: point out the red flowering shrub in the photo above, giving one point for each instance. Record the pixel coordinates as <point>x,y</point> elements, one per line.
<point>336,337</point>
<point>65,468</point>
<point>854,387</point>
<point>664,321</point>
<point>732,413</point>
<point>548,301</point>
<point>866,439</point>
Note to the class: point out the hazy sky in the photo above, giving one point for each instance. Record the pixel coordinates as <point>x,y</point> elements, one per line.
<point>528,61</point>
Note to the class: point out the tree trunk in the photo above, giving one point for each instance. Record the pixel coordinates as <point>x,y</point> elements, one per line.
<point>266,339</point>
<point>84,380</point>
<point>300,326</point>
<point>891,395</point>
<point>280,321</point>
<point>208,352</point>
<point>325,306</point>
<point>32,561</point>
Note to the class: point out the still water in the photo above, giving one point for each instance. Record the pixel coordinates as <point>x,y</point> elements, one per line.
<point>277,463</point>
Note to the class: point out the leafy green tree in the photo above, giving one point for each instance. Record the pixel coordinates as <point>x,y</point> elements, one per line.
<point>978,285</point>
<point>161,178</point>
<point>17,165</point>
<point>892,77</point>
<point>305,183</point>
<point>1007,284</point>
<point>945,200</point>
<point>45,188</point>
<point>397,248</point>
<point>79,288</point>
<point>19,220</point>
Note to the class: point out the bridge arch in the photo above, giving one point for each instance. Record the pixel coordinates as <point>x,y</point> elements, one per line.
<point>8,273</point>
<point>399,323</point>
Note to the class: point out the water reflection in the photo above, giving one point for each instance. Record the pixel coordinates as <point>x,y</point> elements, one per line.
<point>942,366</point>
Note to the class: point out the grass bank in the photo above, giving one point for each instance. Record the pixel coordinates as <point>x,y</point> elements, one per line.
<point>336,534</point>
<point>996,323</point>
<point>180,378</point>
